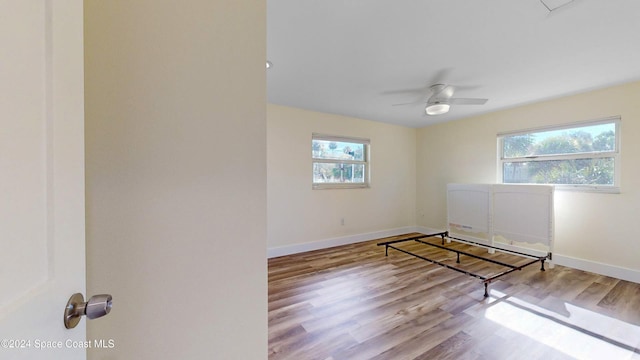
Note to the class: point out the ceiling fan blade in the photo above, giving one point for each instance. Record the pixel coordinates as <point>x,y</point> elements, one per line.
<point>410,103</point>
<point>416,91</point>
<point>463,101</point>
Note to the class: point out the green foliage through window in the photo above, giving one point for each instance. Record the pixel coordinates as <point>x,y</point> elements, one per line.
<point>580,155</point>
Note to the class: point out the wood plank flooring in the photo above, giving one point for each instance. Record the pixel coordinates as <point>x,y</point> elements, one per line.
<point>352,302</point>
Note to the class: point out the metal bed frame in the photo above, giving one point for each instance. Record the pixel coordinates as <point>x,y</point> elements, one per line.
<point>486,280</point>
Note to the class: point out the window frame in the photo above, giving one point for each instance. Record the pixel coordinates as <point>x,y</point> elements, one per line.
<point>348,139</point>
<point>615,154</point>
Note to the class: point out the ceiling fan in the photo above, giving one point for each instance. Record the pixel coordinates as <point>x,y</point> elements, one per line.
<point>442,98</point>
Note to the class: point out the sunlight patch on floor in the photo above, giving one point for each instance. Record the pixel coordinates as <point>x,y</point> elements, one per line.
<point>577,332</point>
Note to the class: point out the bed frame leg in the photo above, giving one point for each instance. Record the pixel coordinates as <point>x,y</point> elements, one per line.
<point>458,260</point>
<point>486,292</point>
<point>386,250</point>
<point>542,265</point>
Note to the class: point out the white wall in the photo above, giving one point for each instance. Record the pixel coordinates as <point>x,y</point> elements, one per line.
<point>594,227</point>
<point>299,216</point>
<point>176,177</point>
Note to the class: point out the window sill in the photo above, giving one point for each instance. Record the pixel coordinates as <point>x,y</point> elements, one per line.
<point>339,186</point>
<point>586,188</point>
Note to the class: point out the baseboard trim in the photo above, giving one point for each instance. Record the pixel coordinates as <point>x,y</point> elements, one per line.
<point>580,264</point>
<point>598,268</point>
<point>427,230</point>
<point>337,241</point>
<point>568,261</point>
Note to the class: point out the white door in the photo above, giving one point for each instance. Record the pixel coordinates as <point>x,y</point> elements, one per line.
<point>42,254</point>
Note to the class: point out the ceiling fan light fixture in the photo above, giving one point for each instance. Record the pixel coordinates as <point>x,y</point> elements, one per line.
<point>437,109</point>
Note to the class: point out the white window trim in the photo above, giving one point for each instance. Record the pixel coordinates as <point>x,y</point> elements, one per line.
<point>615,188</point>
<point>366,162</point>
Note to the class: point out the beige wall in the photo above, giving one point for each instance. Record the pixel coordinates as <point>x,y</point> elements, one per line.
<point>297,214</point>
<point>589,226</point>
<point>176,177</point>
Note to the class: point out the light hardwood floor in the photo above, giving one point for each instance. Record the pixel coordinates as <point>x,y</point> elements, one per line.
<point>352,302</point>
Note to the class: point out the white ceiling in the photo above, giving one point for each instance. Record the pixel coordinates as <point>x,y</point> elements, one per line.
<point>353,57</point>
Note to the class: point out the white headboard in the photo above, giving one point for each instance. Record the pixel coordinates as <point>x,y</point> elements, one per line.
<point>518,213</point>
<point>469,208</point>
<point>524,213</point>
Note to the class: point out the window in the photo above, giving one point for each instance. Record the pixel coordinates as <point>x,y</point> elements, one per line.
<point>339,162</point>
<point>581,156</point>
